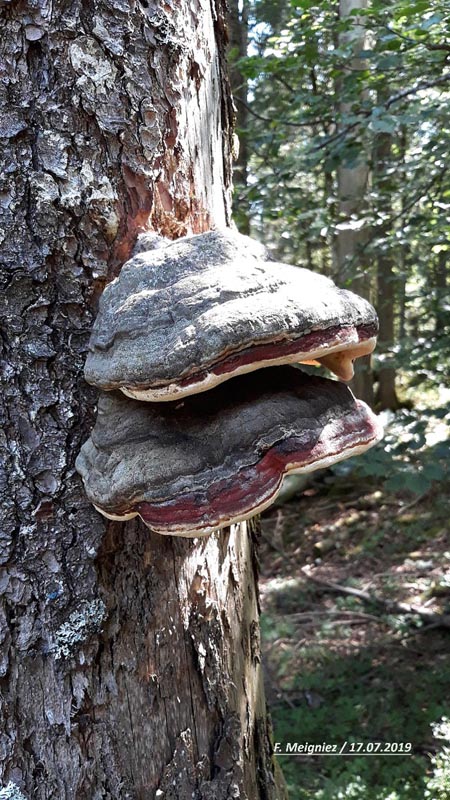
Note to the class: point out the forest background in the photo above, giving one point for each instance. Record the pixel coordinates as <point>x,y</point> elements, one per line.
<point>344,133</point>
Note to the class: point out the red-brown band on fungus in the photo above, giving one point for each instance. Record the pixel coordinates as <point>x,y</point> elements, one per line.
<point>191,467</point>
<point>190,314</point>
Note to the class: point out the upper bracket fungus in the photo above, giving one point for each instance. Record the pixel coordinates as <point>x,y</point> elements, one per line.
<point>219,457</point>
<point>192,313</point>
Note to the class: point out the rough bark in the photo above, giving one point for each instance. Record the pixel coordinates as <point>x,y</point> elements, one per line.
<point>129,663</point>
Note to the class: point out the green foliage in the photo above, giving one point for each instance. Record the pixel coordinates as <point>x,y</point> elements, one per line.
<point>361,698</point>
<point>335,681</point>
<point>438,785</point>
<point>309,114</point>
<point>405,460</point>
<point>317,105</point>
<point>313,109</point>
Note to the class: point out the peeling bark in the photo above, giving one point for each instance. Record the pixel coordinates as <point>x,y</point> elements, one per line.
<point>126,660</point>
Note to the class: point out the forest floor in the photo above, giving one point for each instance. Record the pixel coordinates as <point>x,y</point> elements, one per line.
<point>353,669</point>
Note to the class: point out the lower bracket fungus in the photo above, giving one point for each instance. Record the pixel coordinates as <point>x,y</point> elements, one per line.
<point>217,458</point>
<point>188,315</point>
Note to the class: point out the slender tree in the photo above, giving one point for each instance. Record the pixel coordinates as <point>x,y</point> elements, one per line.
<point>440,277</point>
<point>352,183</point>
<point>238,17</point>
<point>129,662</point>
<point>386,278</point>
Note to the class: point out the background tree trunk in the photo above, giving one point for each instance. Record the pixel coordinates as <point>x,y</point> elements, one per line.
<point>238,19</point>
<point>352,179</point>
<point>386,279</point>
<point>440,291</point>
<point>129,662</point>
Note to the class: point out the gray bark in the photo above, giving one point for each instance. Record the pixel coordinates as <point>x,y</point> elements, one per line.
<point>129,663</point>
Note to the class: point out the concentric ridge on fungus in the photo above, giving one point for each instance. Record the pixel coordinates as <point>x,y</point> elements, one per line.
<point>217,458</point>
<point>188,315</point>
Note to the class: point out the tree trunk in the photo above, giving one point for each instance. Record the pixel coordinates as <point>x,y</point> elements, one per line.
<point>352,179</point>
<point>129,663</point>
<point>386,279</point>
<point>440,292</point>
<point>404,252</point>
<point>386,393</point>
<point>238,17</point>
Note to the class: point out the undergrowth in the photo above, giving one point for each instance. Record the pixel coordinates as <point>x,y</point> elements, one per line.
<point>339,670</point>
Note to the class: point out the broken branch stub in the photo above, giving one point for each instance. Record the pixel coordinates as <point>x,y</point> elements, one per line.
<point>219,457</point>
<point>190,314</point>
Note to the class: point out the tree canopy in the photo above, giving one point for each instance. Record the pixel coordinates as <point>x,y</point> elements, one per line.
<point>357,91</point>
